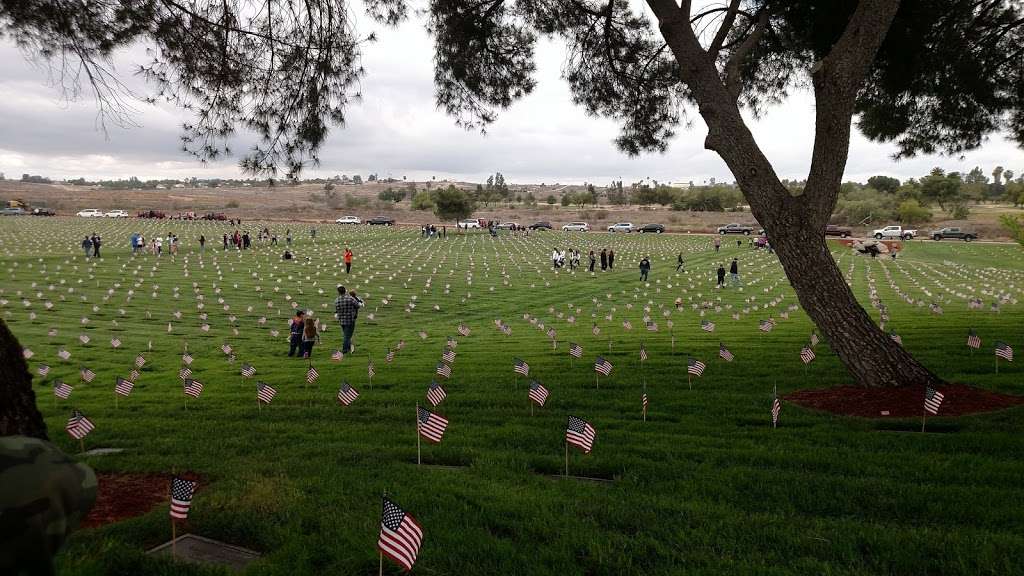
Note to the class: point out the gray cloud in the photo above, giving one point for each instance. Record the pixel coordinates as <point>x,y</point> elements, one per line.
<point>396,130</point>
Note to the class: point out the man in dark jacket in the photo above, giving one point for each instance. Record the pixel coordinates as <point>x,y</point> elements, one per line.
<point>604,259</point>
<point>721,276</point>
<point>734,273</point>
<point>346,308</point>
<point>611,259</point>
<point>645,267</point>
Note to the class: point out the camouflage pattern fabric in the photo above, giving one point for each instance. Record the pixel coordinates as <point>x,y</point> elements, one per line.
<point>44,494</point>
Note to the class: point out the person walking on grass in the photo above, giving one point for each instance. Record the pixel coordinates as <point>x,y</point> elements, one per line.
<point>310,336</point>
<point>604,259</point>
<point>611,259</point>
<point>721,276</point>
<point>346,308</point>
<point>593,259</point>
<point>225,242</point>
<point>202,243</point>
<point>87,246</point>
<point>645,268</point>
<point>718,244</point>
<point>348,260</point>
<point>734,273</point>
<point>96,242</point>
<point>679,262</point>
<point>295,330</point>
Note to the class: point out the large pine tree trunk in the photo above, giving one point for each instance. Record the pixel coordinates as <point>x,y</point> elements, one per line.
<point>18,412</point>
<point>869,354</point>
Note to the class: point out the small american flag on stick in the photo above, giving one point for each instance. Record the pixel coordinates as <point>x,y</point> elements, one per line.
<point>443,370</point>
<point>520,367</point>
<point>695,367</point>
<point>430,426</point>
<point>248,370</point>
<point>61,390</point>
<point>575,350</point>
<point>123,387</point>
<point>806,355</point>
<point>538,393</point>
<point>448,356</point>
<point>463,330</point>
<point>707,326</point>
<point>580,433</point>
<point>1004,351</point>
<point>436,394</point>
<point>140,361</point>
<point>400,535</point>
<point>181,497</point>
<point>347,394</point>
<point>602,366</point>
<point>87,375</point>
<point>193,388</point>
<point>312,375</point>
<point>973,340</point>
<point>932,400</point>
<point>265,392</point>
<point>724,353</point>
<point>78,425</point>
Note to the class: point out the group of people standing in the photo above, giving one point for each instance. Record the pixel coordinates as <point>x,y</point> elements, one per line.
<point>91,245</point>
<point>304,332</point>
<point>561,258</point>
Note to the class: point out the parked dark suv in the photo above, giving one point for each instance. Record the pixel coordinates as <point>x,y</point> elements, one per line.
<point>957,233</point>
<point>841,231</point>
<point>540,226</point>
<point>381,221</point>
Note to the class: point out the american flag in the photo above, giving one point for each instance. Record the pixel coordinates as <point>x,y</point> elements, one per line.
<point>463,330</point>
<point>123,387</point>
<point>806,354</point>
<point>814,339</point>
<point>695,367</point>
<point>400,535</point>
<point>627,325</point>
<point>643,402</point>
<point>724,353</point>
<point>520,367</point>
<point>580,433</point>
<point>225,348</point>
<point>181,497</point>
<point>265,392</point>
<point>61,390</point>
<point>139,361</point>
<point>652,326</point>
<point>337,356</point>
<point>707,326</point>
<point>776,409</point>
<point>448,356</point>
<point>27,354</point>
<point>193,388</point>
<point>973,340</point>
<point>84,338</point>
<point>551,333</point>
<point>115,342</point>
<point>443,370</point>
<point>185,373</point>
<point>389,356</point>
<point>63,354</point>
<point>78,425</point>
<point>575,350</point>
<point>312,375</point>
<point>643,353</point>
<point>602,366</point>
<point>766,325</point>
<point>347,394</point>
<point>932,400</point>
<point>430,426</point>
<point>133,375</point>
<point>538,393</point>
<point>1004,351</point>
<point>370,370</point>
<point>436,394</point>
<point>248,370</point>
<point>43,370</point>
<point>87,375</point>
<point>595,330</point>
<point>186,359</point>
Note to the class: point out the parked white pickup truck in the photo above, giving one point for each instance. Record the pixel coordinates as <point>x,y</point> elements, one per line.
<point>894,232</point>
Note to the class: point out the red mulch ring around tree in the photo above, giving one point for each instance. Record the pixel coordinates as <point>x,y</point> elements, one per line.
<point>123,495</point>
<point>901,402</point>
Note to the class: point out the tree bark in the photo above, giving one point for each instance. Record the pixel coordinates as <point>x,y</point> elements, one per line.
<point>795,224</point>
<point>18,413</point>
<point>869,354</point>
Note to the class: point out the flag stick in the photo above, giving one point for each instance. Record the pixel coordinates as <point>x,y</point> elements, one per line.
<point>418,451</point>
<point>380,564</point>
<point>689,380</point>
<point>997,364</point>
<point>174,538</point>
<point>81,445</point>
<point>567,459</point>
<point>924,417</point>
<point>609,344</point>
<point>597,380</point>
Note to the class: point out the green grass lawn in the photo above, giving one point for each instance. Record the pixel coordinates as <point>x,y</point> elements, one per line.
<point>704,486</point>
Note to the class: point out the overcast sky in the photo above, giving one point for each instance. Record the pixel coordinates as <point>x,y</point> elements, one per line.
<point>397,131</point>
